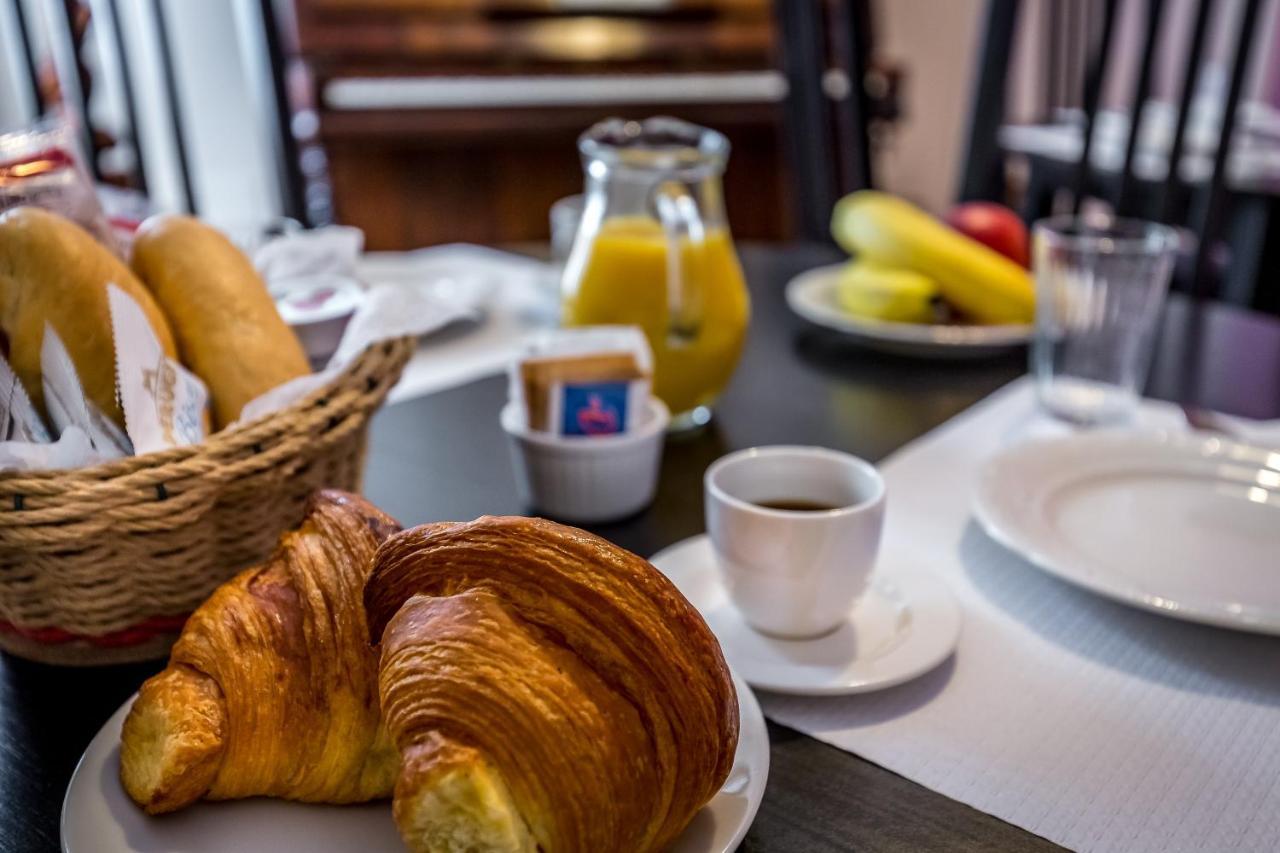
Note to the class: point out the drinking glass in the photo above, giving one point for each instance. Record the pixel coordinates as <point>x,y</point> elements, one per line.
<point>565,216</point>
<point>1099,291</point>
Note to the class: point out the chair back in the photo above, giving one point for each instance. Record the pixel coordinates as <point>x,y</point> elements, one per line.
<point>825,48</point>
<point>1193,188</point>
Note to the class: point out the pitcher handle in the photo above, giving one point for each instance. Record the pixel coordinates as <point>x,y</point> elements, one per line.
<point>681,220</point>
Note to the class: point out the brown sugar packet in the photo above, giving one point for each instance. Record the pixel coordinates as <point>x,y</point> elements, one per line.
<point>539,374</point>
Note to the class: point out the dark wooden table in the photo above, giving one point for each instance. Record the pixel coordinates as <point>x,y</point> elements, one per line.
<point>444,457</point>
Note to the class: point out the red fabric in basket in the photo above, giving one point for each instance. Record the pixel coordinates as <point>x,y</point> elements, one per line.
<point>140,633</point>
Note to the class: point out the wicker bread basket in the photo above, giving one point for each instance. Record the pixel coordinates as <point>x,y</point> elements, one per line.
<point>102,565</point>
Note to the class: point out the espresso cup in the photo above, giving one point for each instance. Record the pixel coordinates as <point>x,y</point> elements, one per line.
<point>792,572</point>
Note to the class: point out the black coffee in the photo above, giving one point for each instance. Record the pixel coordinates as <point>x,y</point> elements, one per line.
<point>796,505</point>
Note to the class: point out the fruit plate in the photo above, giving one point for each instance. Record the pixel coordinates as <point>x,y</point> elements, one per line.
<point>98,817</point>
<point>812,295</point>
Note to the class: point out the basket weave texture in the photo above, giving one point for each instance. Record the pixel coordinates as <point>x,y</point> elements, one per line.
<point>102,564</point>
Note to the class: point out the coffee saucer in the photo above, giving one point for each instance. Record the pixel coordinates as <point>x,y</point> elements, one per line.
<point>904,625</point>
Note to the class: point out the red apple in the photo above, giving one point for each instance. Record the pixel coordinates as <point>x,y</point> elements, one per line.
<point>994,226</point>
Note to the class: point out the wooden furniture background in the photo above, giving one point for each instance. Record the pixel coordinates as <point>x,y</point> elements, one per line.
<point>413,177</point>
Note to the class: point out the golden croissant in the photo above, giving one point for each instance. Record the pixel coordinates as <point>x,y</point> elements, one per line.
<point>541,689</point>
<point>547,691</point>
<point>271,689</point>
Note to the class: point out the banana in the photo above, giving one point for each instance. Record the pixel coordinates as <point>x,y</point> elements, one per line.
<point>882,293</point>
<point>890,232</point>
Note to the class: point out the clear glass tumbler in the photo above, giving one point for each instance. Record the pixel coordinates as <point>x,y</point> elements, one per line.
<point>1099,291</point>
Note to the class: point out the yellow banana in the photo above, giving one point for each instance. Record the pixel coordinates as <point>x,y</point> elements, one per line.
<point>883,293</point>
<point>977,281</point>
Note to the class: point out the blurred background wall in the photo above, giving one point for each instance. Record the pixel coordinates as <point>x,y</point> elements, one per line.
<point>936,43</point>
<point>425,121</point>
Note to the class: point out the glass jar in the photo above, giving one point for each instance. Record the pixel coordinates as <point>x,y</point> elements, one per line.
<point>653,250</point>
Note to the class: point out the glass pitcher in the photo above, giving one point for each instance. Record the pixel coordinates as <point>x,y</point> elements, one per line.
<point>653,250</point>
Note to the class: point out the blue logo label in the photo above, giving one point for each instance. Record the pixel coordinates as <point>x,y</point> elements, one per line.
<point>598,408</point>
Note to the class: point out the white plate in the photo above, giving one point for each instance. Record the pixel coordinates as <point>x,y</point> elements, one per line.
<point>902,627</point>
<point>1180,524</point>
<point>98,817</point>
<point>812,295</point>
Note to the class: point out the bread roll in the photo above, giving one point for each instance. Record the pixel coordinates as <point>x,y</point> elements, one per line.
<point>228,330</point>
<point>52,270</point>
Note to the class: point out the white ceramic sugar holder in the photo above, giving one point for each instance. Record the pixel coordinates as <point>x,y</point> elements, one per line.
<point>587,478</point>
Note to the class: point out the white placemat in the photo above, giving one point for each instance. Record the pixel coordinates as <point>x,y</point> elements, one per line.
<point>1087,722</point>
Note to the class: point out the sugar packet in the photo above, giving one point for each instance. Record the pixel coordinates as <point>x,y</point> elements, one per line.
<point>67,405</point>
<point>604,407</point>
<point>163,402</point>
<point>584,382</point>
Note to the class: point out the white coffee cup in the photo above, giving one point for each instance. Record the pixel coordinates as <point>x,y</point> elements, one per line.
<point>794,573</point>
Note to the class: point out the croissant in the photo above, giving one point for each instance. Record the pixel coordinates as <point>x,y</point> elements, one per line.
<point>271,688</point>
<point>547,691</point>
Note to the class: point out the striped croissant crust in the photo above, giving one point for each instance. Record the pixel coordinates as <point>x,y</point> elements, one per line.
<point>546,690</point>
<point>272,688</point>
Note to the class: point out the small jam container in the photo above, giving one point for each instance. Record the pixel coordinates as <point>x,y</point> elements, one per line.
<point>587,478</point>
<point>319,313</point>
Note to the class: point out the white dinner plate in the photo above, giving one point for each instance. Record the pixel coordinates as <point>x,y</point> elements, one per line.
<point>812,295</point>
<point>1181,524</point>
<point>902,627</point>
<point>99,817</point>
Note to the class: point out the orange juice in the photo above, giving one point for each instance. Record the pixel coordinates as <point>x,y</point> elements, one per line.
<point>624,281</point>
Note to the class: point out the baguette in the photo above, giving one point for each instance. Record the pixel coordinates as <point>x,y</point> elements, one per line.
<point>53,271</point>
<point>228,330</point>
